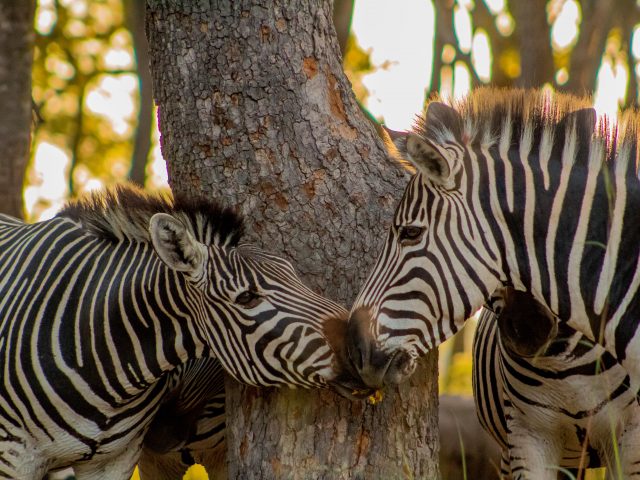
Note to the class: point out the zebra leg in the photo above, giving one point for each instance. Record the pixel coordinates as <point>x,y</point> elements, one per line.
<point>629,448</point>
<point>19,457</point>
<point>505,466</point>
<point>533,455</point>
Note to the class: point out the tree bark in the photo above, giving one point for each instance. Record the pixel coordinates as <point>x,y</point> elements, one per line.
<point>254,108</point>
<point>16,57</point>
<point>317,435</point>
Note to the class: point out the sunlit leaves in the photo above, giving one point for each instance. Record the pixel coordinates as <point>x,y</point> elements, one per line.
<point>509,62</point>
<point>356,63</point>
<point>85,85</point>
<point>481,54</point>
<point>565,18</point>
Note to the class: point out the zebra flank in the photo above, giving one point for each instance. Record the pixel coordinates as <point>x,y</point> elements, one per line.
<point>116,317</point>
<point>517,188</point>
<point>569,406</point>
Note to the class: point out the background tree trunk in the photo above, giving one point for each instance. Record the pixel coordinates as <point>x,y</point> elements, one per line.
<point>254,108</point>
<point>142,143</point>
<point>597,21</point>
<point>16,57</point>
<point>342,16</point>
<point>536,55</point>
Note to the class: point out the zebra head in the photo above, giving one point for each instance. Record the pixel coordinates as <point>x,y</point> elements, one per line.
<point>261,322</point>
<point>435,268</point>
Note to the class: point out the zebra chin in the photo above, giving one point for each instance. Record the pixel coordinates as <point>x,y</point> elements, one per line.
<point>377,367</point>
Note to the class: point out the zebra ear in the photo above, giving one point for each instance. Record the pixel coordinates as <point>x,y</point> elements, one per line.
<point>426,157</point>
<point>175,245</point>
<point>412,152</point>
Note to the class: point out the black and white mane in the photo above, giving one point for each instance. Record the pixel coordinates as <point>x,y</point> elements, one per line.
<point>122,213</point>
<point>487,115</point>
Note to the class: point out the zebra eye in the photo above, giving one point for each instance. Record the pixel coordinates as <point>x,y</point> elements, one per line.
<point>410,235</point>
<point>248,299</point>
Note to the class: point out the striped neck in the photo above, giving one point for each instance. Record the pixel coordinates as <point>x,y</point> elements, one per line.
<point>141,319</point>
<point>559,208</point>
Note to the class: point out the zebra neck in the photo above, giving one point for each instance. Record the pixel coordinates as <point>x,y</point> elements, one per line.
<point>141,323</point>
<point>566,229</point>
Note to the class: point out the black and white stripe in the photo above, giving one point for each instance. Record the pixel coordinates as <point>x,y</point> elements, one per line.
<point>513,188</point>
<point>566,406</point>
<point>100,304</point>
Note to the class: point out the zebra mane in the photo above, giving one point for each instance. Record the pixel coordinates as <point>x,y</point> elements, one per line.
<point>122,213</point>
<point>487,113</point>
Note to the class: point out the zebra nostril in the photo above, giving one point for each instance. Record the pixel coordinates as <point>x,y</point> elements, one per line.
<point>375,366</point>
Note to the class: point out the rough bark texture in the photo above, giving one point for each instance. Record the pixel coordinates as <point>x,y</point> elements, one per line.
<point>317,435</point>
<point>254,108</point>
<point>16,58</point>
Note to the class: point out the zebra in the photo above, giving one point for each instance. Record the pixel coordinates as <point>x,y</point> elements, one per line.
<point>99,305</point>
<point>552,399</point>
<point>518,188</point>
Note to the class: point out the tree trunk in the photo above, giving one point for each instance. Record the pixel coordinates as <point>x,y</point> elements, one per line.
<point>142,140</point>
<point>16,57</point>
<point>318,435</point>
<point>443,11</point>
<point>597,18</point>
<point>342,16</point>
<point>254,108</point>
<point>536,55</point>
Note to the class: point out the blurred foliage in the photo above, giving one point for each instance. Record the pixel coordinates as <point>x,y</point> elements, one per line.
<point>531,43</point>
<point>458,380</point>
<point>85,87</point>
<point>357,63</point>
